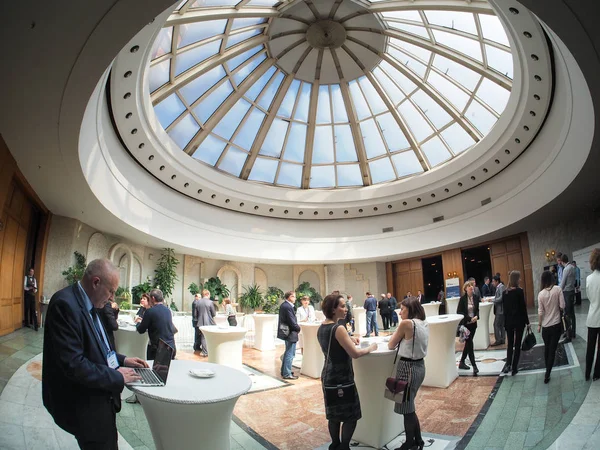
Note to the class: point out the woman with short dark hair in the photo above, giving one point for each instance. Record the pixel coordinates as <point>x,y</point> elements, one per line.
<point>550,303</point>
<point>592,287</point>
<point>338,349</point>
<point>515,319</point>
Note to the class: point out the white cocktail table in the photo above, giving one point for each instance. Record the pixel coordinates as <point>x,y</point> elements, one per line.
<point>312,355</point>
<point>221,319</point>
<point>319,316</point>
<point>440,362</point>
<point>189,412</point>
<point>482,335</point>
<point>224,344</point>
<point>129,342</point>
<point>379,423</point>
<point>432,309</point>
<point>360,320</point>
<point>452,305</point>
<point>492,314</point>
<point>264,339</point>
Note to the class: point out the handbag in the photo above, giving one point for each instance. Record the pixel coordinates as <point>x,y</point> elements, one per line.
<point>283,331</point>
<point>529,341</point>
<point>396,388</point>
<point>337,394</point>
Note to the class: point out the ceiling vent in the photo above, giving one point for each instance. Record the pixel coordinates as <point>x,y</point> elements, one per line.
<point>438,219</point>
<point>486,201</point>
<point>387,229</point>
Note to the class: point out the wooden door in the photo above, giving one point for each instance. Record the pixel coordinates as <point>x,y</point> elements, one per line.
<point>7,258</point>
<point>506,257</point>
<point>408,277</point>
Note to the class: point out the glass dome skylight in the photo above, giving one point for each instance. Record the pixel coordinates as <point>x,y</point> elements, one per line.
<point>328,94</point>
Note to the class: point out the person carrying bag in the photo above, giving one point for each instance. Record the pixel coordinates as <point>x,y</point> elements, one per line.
<point>396,387</point>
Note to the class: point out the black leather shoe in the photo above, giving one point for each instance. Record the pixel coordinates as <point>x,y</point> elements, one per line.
<point>463,366</point>
<point>506,369</point>
<point>290,377</point>
<point>595,378</point>
<point>546,380</point>
<point>514,372</point>
<point>475,369</point>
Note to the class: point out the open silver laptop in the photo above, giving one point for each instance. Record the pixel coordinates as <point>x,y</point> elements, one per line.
<point>157,376</point>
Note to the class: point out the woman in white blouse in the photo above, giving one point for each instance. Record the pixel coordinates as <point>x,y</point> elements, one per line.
<point>305,313</point>
<point>550,303</point>
<point>592,287</point>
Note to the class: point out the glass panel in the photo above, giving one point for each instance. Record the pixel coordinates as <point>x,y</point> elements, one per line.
<point>438,116</point>
<point>457,138</point>
<point>237,38</point>
<point>435,151</point>
<point>322,176</point>
<point>296,143</point>
<point>303,102</point>
<point>349,175</point>
<point>344,144</point>
<point>323,105</point>
<point>229,123</point>
<point>241,75</point>
<point>416,122</point>
<point>194,90</point>
<point>188,59</point>
<point>360,104</point>
<point>499,60</point>
<point>239,59</point>
<point>204,3</point>
<point>462,21</point>
<point>194,32</point>
<point>209,105</point>
<point>210,150</point>
<point>412,29</point>
<point>406,163</point>
<point>263,170</point>
<point>233,161</point>
<point>159,75</point>
<point>287,106</point>
<point>492,29</point>
<point>404,15</point>
<point>168,110</point>
<point>419,52</point>
<point>449,90</point>
<point>480,117</point>
<point>184,131</point>
<point>394,137</point>
<point>241,23</point>
<point>458,72</point>
<point>339,108</point>
<point>245,138</point>
<point>375,102</point>
<point>401,79</point>
<point>274,140</point>
<point>372,139</point>
<point>162,44</point>
<point>257,87</point>
<point>494,95</point>
<point>408,61</point>
<point>389,87</point>
<point>323,145</point>
<point>381,170</point>
<point>269,92</point>
<point>262,2</point>
<point>464,45</point>
<point>290,174</point>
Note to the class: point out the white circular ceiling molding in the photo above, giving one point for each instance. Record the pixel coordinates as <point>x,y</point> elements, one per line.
<point>331,109</point>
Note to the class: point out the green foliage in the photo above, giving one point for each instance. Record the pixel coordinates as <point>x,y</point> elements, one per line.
<point>137,291</point>
<point>120,291</point>
<point>306,289</point>
<point>125,305</point>
<point>173,306</point>
<point>273,298</point>
<point>75,273</point>
<point>194,289</point>
<point>166,272</point>
<point>217,289</point>
<point>252,297</point>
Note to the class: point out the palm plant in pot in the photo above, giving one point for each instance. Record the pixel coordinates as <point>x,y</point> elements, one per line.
<point>217,289</point>
<point>252,298</point>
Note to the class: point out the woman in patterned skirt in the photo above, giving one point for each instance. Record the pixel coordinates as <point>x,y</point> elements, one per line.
<point>338,348</point>
<point>412,337</point>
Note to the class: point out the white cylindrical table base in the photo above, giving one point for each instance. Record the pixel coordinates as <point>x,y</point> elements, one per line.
<point>263,331</point>
<point>224,344</point>
<point>482,335</point>
<point>452,305</point>
<point>379,424</point>
<point>129,342</point>
<point>319,316</point>
<point>432,309</point>
<point>360,320</point>
<point>440,362</point>
<point>189,413</point>
<point>492,315</point>
<point>312,355</point>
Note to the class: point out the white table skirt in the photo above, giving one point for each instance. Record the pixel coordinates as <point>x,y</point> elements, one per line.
<point>492,315</point>
<point>221,320</point>
<point>312,356</point>
<point>225,344</point>
<point>432,309</point>
<point>360,320</point>
<point>264,325</point>
<point>129,342</point>
<point>482,335</point>
<point>452,305</point>
<point>440,362</point>
<point>191,413</point>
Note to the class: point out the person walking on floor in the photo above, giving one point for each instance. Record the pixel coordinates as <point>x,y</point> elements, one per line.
<point>195,322</point>
<point>393,307</point>
<point>499,332</point>
<point>385,311</point>
<point>550,303</point>
<point>592,286</point>
<point>287,330</point>
<point>205,313</point>
<point>515,319</point>
<point>567,285</point>
<point>371,314</point>
<point>468,306</point>
<point>30,288</point>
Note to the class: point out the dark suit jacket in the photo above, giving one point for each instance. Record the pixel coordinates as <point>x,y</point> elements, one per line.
<point>515,308</point>
<point>79,390</point>
<point>384,307</point>
<point>159,323</point>
<point>463,308</point>
<point>287,317</point>
<point>108,316</point>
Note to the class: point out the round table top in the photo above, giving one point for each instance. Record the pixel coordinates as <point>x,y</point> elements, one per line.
<point>382,345</point>
<point>181,387</point>
<point>432,303</point>
<point>486,304</point>
<point>360,308</point>
<point>310,324</point>
<point>264,316</point>
<point>488,299</point>
<point>446,318</point>
<point>222,330</point>
<point>128,328</point>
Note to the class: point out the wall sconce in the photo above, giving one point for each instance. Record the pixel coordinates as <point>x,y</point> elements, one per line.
<point>455,274</point>
<point>550,255</point>
<point>449,274</point>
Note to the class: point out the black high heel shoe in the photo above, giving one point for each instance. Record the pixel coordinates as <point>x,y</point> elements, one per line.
<point>419,445</point>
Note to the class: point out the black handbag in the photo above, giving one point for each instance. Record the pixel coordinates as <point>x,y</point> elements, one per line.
<point>283,331</point>
<point>337,394</point>
<point>397,388</point>
<point>529,341</point>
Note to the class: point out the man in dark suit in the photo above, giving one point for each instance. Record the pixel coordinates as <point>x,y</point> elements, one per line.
<point>82,376</point>
<point>287,318</point>
<point>158,321</point>
<point>205,316</point>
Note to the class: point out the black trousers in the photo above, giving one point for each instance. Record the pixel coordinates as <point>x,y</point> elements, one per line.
<point>513,352</point>
<point>111,441</point>
<point>570,310</point>
<point>386,318</point>
<point>551,336</point>
<point>30,312</point>
<point>593,342</point>
<point>468,350</point>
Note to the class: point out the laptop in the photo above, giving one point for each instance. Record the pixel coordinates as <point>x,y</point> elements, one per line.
<point>157,376</point>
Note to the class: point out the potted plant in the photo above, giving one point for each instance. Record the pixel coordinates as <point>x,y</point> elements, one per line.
<point>194,289</point>
<point>252,298</point>
<point>305,289</point>
<point>216,288</point>
<point>75,273</point>
<point>166,272</point>
<point>137,291</point>
<point>273,298</point>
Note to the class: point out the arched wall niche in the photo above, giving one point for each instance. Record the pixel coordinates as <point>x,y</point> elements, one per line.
<point>97,247</point>
<point>127,276</point>
<point>315,274</point>
<point>124,266</point>
<point>232,278</point>
<point>260,278</point>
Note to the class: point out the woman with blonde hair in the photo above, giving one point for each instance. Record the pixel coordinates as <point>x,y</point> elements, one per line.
<point>468,307</point>
<point>515,319</point>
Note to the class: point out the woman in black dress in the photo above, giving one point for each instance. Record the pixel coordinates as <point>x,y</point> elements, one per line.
<point>515,319</point>
<point>338,348</point>
<point>468,306</point>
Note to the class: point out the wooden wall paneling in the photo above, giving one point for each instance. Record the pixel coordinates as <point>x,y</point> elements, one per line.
<point>7,260</point>
<point>402,284</point>
<point>452,262</point>
<point>389,277</point>
<point>16,202</point>
<point>416,281</point>
<point>416,265</point>
<point>18,277</point>
<point>528,270</point>
<point>513,245</point>
<point>500,265</point>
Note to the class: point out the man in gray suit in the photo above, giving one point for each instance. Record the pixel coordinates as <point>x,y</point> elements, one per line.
<point>499,331</point>
<point>204,311</point>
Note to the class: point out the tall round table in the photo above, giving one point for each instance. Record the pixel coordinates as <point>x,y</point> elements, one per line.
<point>379,423</point>
<point>492,315</point>
<point>221,320</point>
<point>440,362</point>
<point>360,320</point>
<point>319,315</point>
<point>129,342</point>
<point>482,335</point>
<point>312,355</point>
<point>224,344</point>
<point>189,413</point>
<point>452,305</point>
<point>432,309</point>
<point>263,331</point>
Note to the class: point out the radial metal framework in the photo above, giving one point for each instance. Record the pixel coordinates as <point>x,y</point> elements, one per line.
<point>334,93</point>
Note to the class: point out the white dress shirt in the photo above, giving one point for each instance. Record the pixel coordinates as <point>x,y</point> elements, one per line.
<point>592,287</point>
<point>306,314</point>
